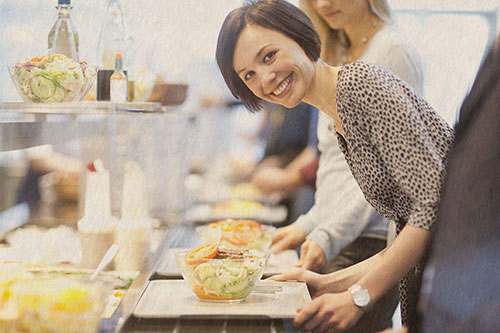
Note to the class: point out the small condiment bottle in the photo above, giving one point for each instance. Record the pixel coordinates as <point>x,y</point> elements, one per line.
<point>118,84</point>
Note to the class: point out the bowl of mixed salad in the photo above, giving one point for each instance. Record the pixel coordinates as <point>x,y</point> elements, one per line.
<point>218,274</point>
<point>52,79</point>
<point>60,304</point>
<point>238,234</point>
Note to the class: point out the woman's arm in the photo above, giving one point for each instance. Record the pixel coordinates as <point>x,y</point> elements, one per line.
<point>332,307</point>
<point>377,274</point>
<point>380,272</point>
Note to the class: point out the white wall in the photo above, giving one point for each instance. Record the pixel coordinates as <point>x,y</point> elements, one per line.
<point>174,38</point>
<point>452,37</point>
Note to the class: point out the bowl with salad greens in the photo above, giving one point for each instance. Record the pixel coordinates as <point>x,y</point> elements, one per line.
<point>52,79</point>
<point>218,274</point>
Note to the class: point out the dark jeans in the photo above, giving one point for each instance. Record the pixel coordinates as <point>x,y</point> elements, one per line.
<point>380,315</point>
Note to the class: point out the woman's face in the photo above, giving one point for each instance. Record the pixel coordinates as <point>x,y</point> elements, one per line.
<point>273,66</point>
<point>339,13</point>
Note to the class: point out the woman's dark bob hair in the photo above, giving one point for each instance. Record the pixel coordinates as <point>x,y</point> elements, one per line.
<point>278,15</point>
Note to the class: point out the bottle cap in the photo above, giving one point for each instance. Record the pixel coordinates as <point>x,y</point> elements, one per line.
<point>118,60</point>
<point>64,2</point>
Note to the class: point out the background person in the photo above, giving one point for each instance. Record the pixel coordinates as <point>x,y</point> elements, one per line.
<point>286,132</point>
<point>461,288</point>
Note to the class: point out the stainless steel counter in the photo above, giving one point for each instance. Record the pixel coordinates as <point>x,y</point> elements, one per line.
<point>25,125</point>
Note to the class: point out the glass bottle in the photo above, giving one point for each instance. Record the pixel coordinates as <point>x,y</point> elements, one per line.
<point>63,37</point>
<point>111,37</point>
<point>118,85</point>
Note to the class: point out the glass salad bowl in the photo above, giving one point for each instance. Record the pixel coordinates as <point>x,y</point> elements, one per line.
<point>238,234</point>
<point>217,274</point>
<point>52,79</point>
<point>60,304</point>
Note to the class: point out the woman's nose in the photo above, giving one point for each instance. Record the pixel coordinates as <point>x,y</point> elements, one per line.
<point>268,77</point>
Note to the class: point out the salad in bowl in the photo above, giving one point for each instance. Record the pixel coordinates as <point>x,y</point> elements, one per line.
<point>60,304</point>
<point>52,79</point>
<point>239,234</point>
<point>219,274</point>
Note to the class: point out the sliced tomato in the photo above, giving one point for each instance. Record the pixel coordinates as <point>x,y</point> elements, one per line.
<point>203,294</point>
<point>198,254</point>
<point>243,232</point>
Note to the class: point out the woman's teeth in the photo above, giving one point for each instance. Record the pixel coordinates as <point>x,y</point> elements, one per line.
<point>283,86</point>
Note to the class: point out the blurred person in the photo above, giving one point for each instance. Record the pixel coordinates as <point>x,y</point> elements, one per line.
<point>65,171</point>
<point>461,284</point>
<point>59,159</point>
<point>342,228</point>
<point>286,133</point>
<point>394,143</point>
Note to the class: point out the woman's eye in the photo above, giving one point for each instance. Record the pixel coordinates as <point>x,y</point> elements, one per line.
<point>269,56</point>
<point>248,76</point>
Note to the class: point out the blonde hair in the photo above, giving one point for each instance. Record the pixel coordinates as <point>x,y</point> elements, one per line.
<point>334,43</point>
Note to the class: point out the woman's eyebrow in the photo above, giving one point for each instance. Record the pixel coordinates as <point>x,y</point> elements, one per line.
<point>257,56</point>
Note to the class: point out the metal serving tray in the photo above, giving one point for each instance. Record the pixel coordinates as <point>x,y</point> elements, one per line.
<point>175,299</point>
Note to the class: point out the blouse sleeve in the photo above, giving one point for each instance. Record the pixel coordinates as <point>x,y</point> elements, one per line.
<point>405,134</point>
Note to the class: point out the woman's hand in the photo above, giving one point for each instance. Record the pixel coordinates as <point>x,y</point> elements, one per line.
<point>328,313</point>
<point>312,256</point>
<point>271,179</point>
<point>315,282</point>
<point>289,237</point>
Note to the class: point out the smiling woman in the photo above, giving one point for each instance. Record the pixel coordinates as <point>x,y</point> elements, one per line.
<point>300,30</point>
<point>278,65</point>
<point>393,141</point>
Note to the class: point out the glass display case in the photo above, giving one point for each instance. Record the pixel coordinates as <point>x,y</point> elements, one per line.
<point>171,146</point>
<point>146,133</point>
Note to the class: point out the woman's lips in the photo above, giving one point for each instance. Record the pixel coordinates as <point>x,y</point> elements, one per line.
<point>283,88</point>
<point>332,14</point>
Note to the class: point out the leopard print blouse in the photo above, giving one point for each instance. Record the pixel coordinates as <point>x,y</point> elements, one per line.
<point>396,146</point>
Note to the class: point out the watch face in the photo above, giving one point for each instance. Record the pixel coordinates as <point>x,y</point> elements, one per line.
<point>361,297</point>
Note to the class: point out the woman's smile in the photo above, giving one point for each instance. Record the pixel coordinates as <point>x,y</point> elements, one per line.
<point>284,87</point>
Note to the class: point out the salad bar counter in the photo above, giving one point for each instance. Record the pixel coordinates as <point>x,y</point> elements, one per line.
<point>215,290</point>
<point>185,285</point>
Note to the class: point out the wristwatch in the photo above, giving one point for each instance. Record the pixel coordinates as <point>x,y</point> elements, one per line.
<point>360,296</point>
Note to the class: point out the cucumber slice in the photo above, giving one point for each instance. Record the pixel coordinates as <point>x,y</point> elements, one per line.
<point>42,87</point>
<point>22,75</point>
<point>214,285</point>
<point>58,95</point>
